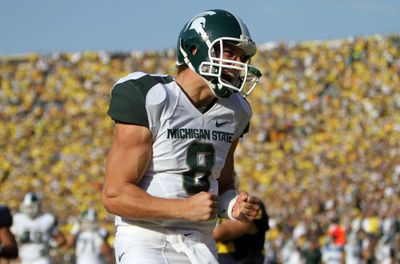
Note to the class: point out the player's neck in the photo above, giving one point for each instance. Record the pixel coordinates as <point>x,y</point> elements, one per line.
<point>196,89</point>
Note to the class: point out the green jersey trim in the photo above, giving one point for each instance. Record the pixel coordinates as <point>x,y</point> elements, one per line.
<point>128,99</point>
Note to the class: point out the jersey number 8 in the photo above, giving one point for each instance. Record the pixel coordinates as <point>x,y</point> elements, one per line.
<point>200,159</point>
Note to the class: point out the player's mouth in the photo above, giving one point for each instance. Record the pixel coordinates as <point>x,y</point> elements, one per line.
<point>229,76</point>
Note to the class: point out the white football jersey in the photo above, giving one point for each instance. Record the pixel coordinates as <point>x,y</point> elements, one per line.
<point>88,246</point>
<point>34,236</point>
<point>189,148</point>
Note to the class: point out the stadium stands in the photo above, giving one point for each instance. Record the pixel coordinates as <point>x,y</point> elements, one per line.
<point>324,143</point>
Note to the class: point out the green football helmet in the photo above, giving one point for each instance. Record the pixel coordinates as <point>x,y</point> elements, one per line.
<point>200,46</point>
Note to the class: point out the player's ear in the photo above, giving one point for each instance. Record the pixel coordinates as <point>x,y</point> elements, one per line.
<point>193,50</point>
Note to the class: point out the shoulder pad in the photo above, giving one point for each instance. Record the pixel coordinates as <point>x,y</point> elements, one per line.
<point>132,94</point>
<point>244,104</point>
<point>243,113</point>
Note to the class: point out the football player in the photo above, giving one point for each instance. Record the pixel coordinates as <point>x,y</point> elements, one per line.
<point>169,171</point>
<point>90,240</point>
<point>8,245</point>
<point>36,231</point>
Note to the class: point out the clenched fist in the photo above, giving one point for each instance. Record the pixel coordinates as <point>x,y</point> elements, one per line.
<point>246,207</point>
<point>202,206</point>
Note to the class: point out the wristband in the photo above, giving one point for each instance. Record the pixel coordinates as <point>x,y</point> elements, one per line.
<point>226,202</point>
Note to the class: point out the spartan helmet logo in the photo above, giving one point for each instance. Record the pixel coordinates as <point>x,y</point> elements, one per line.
<point>199,22</point>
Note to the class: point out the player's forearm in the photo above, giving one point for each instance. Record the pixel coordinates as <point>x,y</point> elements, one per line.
<point>230,230</point>
<point>130,201</point>
<point>9,251</point>
<point>8,245</point>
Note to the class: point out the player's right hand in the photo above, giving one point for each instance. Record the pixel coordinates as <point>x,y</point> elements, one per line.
<point>202,206</point>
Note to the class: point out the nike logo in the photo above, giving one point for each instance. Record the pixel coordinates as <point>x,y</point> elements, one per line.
<point>188,234</point>
<point>219,124</point>
<point>120,256</point>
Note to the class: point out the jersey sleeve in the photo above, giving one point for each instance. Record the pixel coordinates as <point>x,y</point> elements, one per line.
<point>246,129</point>
<point>76,228</point>
<point>243,115</point>
<point>52,223</point>
<point>5,217</point>
<point>128,105</point>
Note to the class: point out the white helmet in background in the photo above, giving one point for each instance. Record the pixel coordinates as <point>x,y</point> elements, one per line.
<point>89,219</point>
<point>31,205</point>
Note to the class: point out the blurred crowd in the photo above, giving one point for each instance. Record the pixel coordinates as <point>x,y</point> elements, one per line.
<point>323,149</point>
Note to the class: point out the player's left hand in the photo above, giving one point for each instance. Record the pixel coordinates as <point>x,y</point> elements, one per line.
<point>246,207</point>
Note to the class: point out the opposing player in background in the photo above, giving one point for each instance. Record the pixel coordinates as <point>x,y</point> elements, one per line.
<point>36,231</point>
<point>169,171</point>
<point>90,240</point>
<point>242,243</point>
<point>8,244</point>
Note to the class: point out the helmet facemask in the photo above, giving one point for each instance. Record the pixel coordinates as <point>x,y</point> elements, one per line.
<point>225,75</point>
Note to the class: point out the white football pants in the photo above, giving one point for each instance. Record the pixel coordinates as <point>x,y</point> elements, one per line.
<point>140,245</point>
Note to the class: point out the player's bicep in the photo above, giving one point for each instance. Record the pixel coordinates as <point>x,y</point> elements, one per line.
<point>128,157</point>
